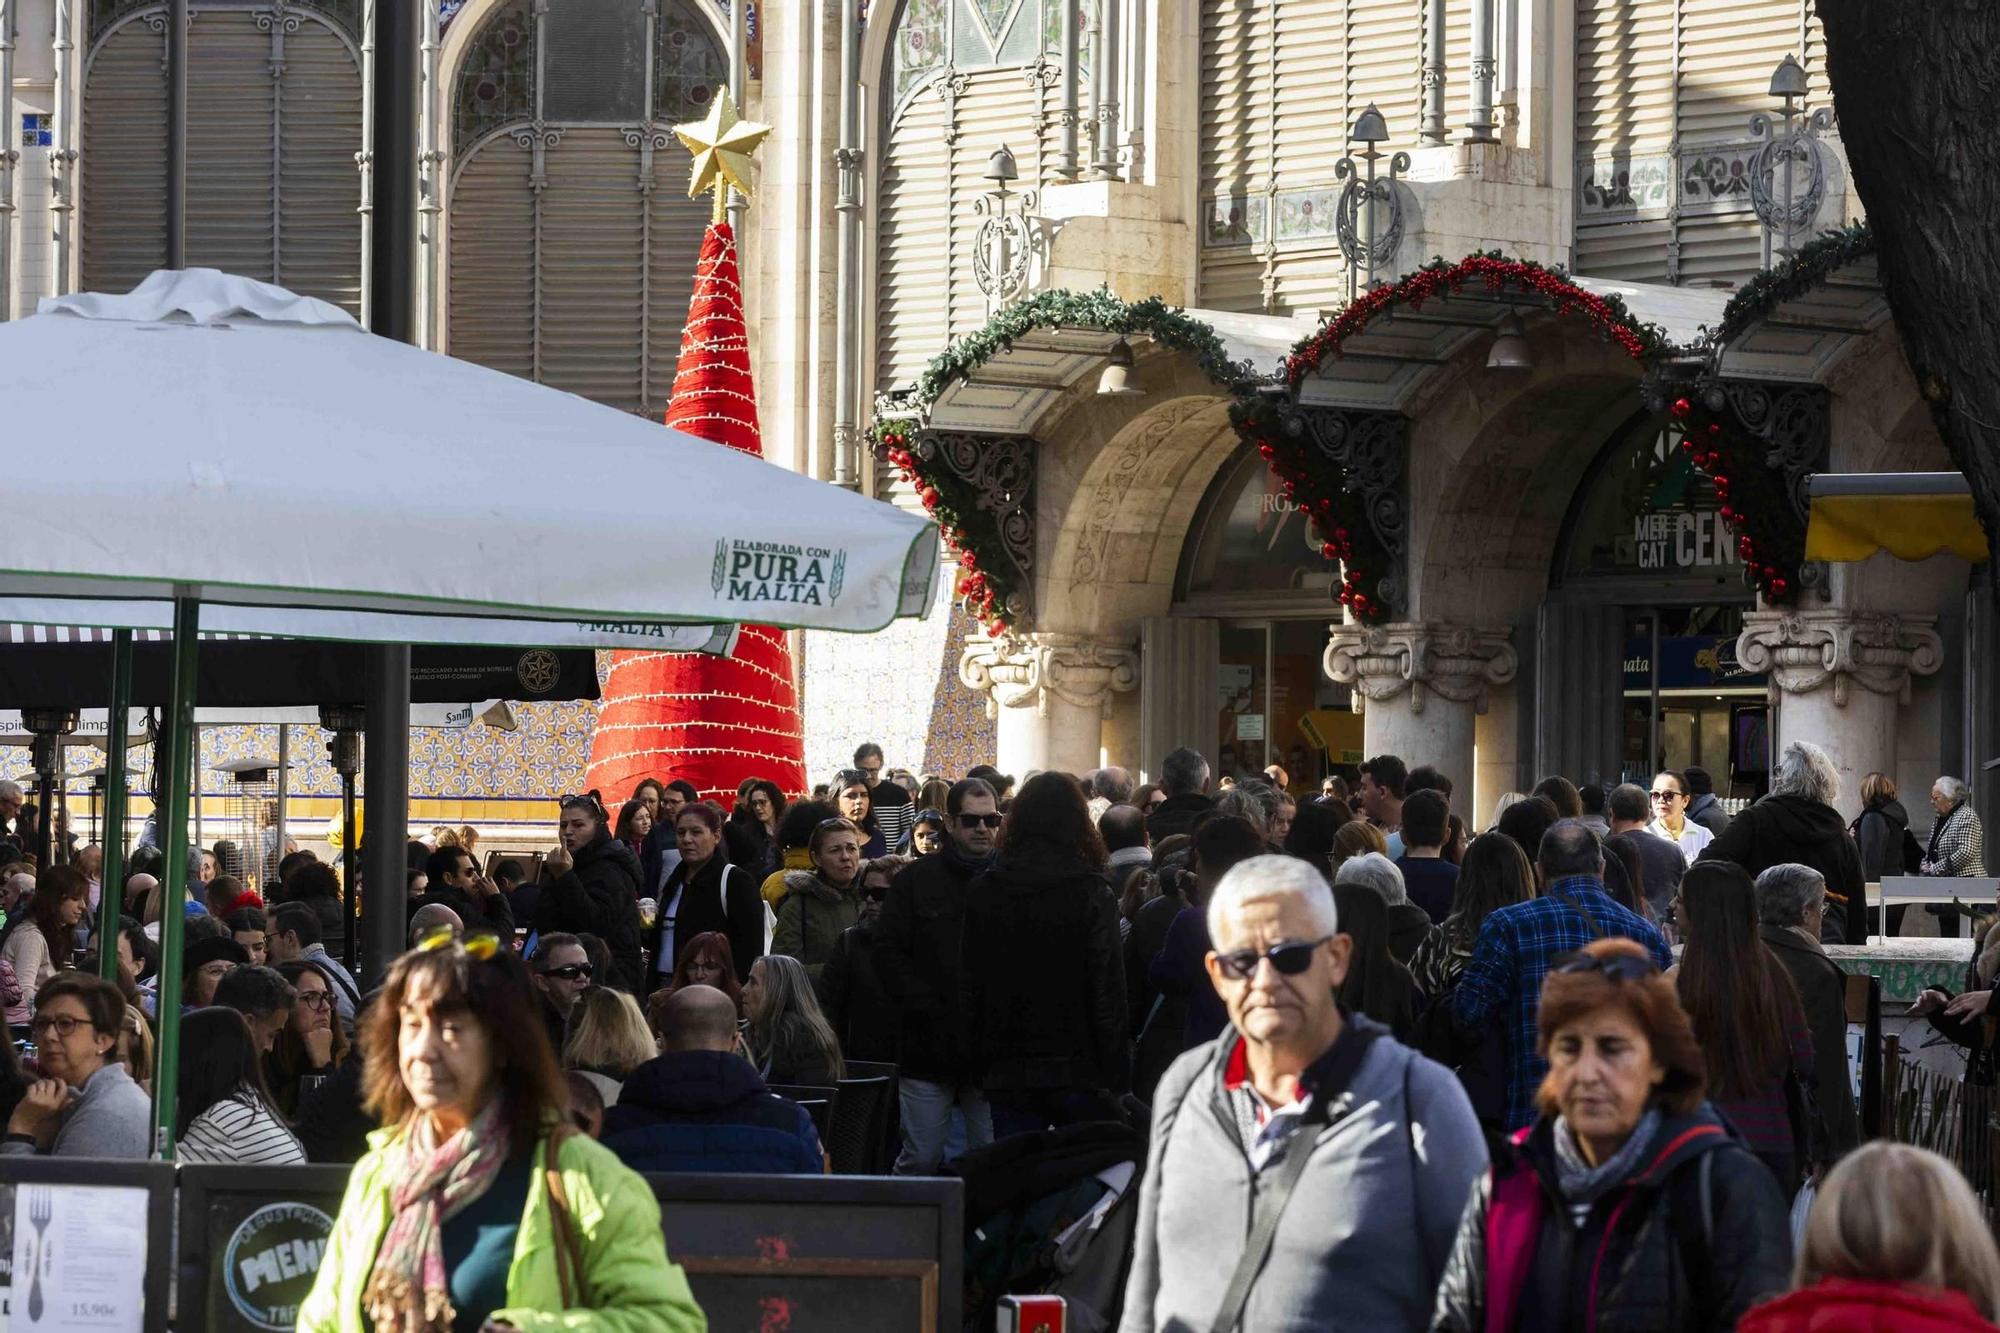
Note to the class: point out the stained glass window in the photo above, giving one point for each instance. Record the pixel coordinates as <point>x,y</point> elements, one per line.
<point>688,67</point>
<point>496,77</point>
<point>920,43</point>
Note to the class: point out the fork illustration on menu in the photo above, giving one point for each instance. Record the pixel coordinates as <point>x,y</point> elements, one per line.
<point>41,1211</point>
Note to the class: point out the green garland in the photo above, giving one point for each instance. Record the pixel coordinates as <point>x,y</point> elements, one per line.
<point>1805,271</point>
<point>1768,539</point>
<point>987,581</point>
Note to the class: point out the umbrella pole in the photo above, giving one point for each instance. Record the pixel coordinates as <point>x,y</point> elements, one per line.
<point>174,875</point>
<point>111,904</point>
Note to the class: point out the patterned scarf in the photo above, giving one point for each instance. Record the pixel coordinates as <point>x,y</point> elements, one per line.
<point>408,1291</point>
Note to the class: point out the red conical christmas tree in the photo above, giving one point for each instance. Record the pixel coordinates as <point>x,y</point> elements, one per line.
<point>711,720</point>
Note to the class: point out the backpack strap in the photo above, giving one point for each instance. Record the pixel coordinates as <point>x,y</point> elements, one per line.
<point>1257,1248</point>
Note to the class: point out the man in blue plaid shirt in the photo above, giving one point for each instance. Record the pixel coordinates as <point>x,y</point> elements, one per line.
<point>1517,946</point>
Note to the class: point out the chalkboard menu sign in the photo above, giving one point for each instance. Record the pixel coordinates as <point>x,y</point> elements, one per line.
<point>84,1245</point>
<point>251,1242</point>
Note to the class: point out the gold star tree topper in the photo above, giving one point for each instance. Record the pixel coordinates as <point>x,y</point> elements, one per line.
<point>721,145</point>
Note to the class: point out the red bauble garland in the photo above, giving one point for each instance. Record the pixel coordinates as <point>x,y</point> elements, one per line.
<point>1305,476</point>
<point>1753,502</point>
<point>713,721</point>
<point>955,506</point>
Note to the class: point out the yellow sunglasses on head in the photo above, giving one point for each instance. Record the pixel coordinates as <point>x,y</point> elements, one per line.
<point>482,947</point>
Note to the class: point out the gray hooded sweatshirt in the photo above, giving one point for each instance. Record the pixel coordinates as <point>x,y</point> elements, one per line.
<point>1362,1243</point>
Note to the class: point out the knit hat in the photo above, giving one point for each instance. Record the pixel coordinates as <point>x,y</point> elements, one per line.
<point>216,949</point>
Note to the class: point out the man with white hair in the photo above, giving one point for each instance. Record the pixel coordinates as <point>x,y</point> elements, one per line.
<point>1796,823</point>
<point>1307,1170</point>
<point>1791,899</point>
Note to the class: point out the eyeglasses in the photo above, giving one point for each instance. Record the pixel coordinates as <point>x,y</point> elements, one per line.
<point>1290,959</point>
<point>481,947</point>
<point>61,1024</point>
<point>587,799</point>
<point>573,972</point>
<point>976,821</point>
<point>1618,967</point>
<point>1667,795</point>
<point>316,999</point>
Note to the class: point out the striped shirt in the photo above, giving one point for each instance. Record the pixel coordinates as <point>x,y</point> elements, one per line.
<point>240,1131</point>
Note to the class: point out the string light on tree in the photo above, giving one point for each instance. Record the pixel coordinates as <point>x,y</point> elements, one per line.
<point>713,721</point>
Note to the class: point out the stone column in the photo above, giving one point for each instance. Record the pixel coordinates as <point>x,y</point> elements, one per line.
<point>1837,679</point>
<point>1419,686</point>
<point>1050,693</point>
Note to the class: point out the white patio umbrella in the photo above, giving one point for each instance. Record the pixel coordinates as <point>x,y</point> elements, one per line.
<point>214,439</point>
<point>223,439</point>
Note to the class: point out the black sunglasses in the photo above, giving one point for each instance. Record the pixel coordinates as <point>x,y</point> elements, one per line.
<point>1618,967</point>
<point>573,972</point>
<point>974,821</point>
<point>1290,959</point>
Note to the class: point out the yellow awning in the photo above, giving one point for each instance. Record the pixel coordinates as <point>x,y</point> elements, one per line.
<point>1912,516</point>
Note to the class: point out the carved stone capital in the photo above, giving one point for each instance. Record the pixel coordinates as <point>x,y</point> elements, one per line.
<point>1803,651</point>
<point>1027,670</point>
<point>1455,662</point>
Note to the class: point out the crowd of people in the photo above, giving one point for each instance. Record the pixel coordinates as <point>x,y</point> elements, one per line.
<point>1394,1069</point>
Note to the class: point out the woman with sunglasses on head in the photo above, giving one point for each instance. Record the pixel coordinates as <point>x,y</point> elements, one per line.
<point>752,831</point>
<point>590,885</point>
<point>477,1206</point>
<point>928,834</point>
<point>853,799</point>
<point>1669,796</point>
<point>1627,1205</point>
<point>1748,1017</point>
<point>821,903</point>
<point>706,893</point>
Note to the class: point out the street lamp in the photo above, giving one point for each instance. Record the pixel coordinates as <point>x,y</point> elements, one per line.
<point>1510,349</point>
<point>48,726</point>
<point>1117,379</point>
<point>1788,170</point>
<point>1366,239</point>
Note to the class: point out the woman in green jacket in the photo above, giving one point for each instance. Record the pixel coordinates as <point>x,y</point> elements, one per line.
<point>821,903</point>
<point>474,1208</point>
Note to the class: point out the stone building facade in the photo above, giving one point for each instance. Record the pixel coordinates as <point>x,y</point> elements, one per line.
<point>1567,599</point>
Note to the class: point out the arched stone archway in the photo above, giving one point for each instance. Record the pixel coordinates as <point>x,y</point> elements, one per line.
<point>1494,462</point>
<point>1120,479</point>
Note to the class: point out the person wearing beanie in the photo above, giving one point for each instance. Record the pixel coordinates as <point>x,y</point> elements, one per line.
<point>203,965</point>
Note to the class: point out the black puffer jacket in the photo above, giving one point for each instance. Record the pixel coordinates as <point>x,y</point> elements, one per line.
<point>1043,978</point>
<point>1695,1237</point>
<point>1779,829</point>
<point>598,895</point>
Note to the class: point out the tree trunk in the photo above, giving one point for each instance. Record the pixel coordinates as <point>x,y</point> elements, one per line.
<point>1916,84</point>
